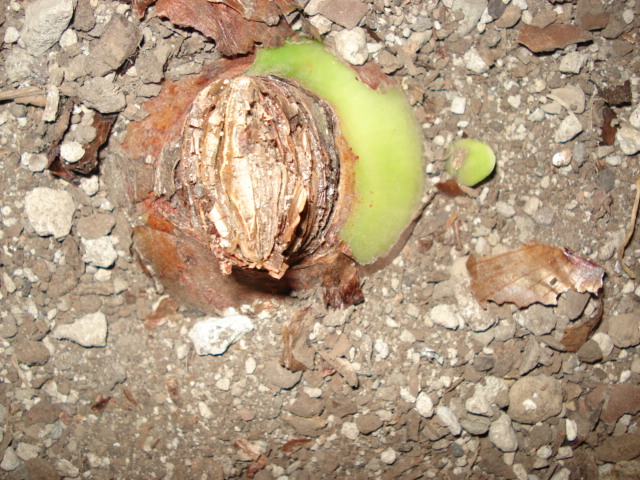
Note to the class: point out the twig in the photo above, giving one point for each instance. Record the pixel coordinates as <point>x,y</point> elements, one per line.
<point>630,229</point>
<point>18,93</point>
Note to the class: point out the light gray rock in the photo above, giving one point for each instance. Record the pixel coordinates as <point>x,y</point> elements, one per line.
<point>11,35</point>
<point>534,399</point>
<point>572,96</point>
<point>99,252</point>
<point>351,45</point>
<point>634,118</point>
<point>10,461</point>
<point>573,62</point>
<point>449,419</point>
<point>474,62</point>
<point>388,456</point>
<point>624,330</point>
<point>50,211</point>
<point>472,11</point>
<point>504,209</point>
<point>628,139</point>
<point>604,341</point>
<point>88,331</point>
<point>44,22</point>
<point>502,435</point>
<point>213,335</point>
<point>569,128</point>
<point>446,316</point>
<point>424,405</point>
<point>103,95</point>
<point>71,152</point>
<point>118,42</point>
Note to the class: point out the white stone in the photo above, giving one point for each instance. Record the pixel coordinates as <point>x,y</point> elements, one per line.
<point>250,365</point>
<point>634,118</point>
<point>99,252</point>
<point>35,162</point>
<point>504,209</point>
<point>71,152</point>
<point>27,451</point>
<point>573,62</point>
<point>531,206</point>
<point>502,435</point>
<point>628,139</point>
<point>458,105</point>
<point>50,211</point>
<point>351,45</point>
<point>388,456</point>
<point>68,39</point>
<point>382,349</point>
<point>571,429</point>
<point>449,420</point>
<point>88,331</point>
<point>350,430</point>
<point>44,22</point>
<point>605,343</point>
<point>322,23</point>
<point>446,316</point>
<point>90,185</point>
<point>514,101</point>
<point>66,468</point>
<point>628,16</point>
<point>424,405</point>
<point>11,35</point>
<point>562,158</point>
<point>223,384</point>
<point>10,461</point>
<point>568,129</point>
<point>214,335</point>
<point>474,62</point>
<point>613,160</point>
<point>562,474</point>
<point>204,410</point>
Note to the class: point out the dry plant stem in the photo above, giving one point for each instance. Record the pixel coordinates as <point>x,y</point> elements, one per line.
<point>630,229</point>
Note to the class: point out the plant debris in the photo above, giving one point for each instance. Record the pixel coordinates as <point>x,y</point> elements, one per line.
<point>533,273</point>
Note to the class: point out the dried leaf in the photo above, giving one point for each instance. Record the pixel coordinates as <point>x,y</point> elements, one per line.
<point>292,446</point>
<point>294,337</point>
<point>250,450</point>
<point>617,95</point>
<point>552,37</point>
<point>343,367</point>
<point>450,188</point>
<point>608,130</point>
<point>89,161</point>
<point>576,335</point>
<point>533,273</point>
<point>100,404</point>
<point>164,308</point>
<point>223,22</point>
<point>256,465</point>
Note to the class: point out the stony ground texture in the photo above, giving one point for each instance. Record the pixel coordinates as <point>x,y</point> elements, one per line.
<point>417,382</point>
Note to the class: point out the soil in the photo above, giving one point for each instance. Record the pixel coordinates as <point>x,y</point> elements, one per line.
<point>417,381</point>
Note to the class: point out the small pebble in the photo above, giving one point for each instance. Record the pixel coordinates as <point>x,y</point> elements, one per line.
<point>449,419</point>
<point>569,128</point>
<point>11,35</point>
<point>458,105</point>
<point>562,158</point>
<point>388,456</point>
<point>628,139</point>
<point>352,45</point>
<point>71,152</point>
<point>88,331</point>
<point>504,209</point>
<point>214,335</point>
<point>604,341</point>
<point>474,62</point>
<point>350,430</point>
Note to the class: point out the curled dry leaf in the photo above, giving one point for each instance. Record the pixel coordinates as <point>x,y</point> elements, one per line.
<point>576,335</point>
<point>533,273</point>
<point>235,25</point>
<point>296,355</point>
<point>100,404</point>
<point>293,445</point>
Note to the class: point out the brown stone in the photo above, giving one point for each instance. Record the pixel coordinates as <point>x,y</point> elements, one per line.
<point>618,449</point>
<point>347,13</point>
<point>306,407</point>
<point>618,400</point>
<point>552,37</point>
<point>368,423</point>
